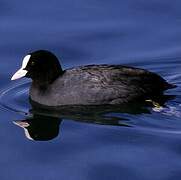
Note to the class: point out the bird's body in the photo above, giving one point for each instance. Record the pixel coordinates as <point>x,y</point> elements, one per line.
<point>99,84</point>
<point>87,85</point>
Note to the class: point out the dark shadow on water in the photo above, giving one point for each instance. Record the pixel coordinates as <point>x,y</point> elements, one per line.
<point>44,123</point>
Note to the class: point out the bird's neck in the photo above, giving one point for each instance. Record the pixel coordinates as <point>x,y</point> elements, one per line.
<point>45,80</point>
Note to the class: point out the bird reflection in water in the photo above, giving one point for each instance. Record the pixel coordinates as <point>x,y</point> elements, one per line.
<point>44,124</point>
<point>39,127</point>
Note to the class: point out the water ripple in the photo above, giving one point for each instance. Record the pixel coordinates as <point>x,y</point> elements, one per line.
<point>15,97</point>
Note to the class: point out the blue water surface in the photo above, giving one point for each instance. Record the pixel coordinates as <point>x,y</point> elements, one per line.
<point>87,146</point>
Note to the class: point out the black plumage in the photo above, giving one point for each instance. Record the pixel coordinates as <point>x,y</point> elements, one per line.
<point>91,84</point>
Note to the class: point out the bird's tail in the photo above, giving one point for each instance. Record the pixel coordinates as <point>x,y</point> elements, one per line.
<point>170,86</point>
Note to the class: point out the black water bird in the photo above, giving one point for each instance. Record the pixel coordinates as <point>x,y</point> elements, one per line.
<point>87,85</point>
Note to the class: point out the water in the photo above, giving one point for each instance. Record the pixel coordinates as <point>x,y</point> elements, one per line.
<point>77,144</point>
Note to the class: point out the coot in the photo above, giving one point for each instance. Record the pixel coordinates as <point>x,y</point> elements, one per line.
<point>87,85</point>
